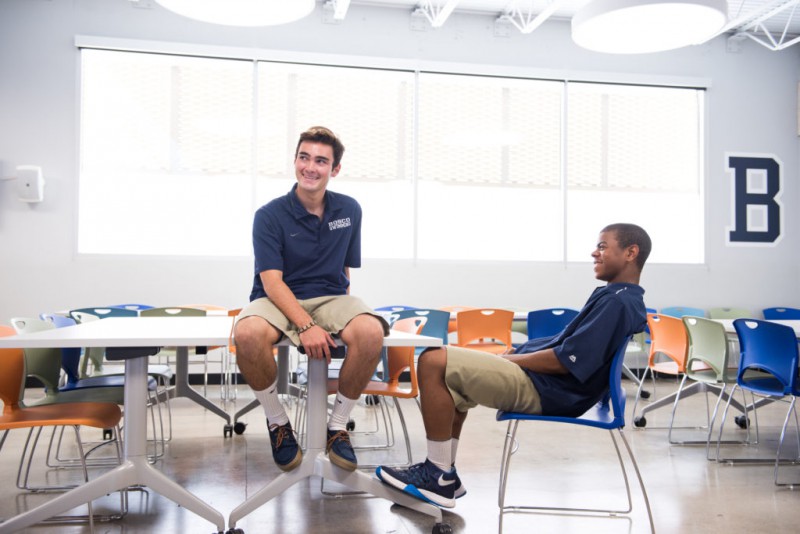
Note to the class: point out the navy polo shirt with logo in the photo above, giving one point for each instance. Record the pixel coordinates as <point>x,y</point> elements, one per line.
<point>311,253</point>
<point>586,348</point>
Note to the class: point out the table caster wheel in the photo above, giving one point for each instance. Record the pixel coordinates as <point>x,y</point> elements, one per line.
<point>235,531</point>
<point>639,422</point>
<point>644,395</point>
<point>742,421</point>
<point>351,425</point>
<point>442,528</point>
<point>239,428</point>
<point>227,431</point>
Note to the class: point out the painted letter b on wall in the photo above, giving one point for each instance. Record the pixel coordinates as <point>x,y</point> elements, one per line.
<point>756,205</point>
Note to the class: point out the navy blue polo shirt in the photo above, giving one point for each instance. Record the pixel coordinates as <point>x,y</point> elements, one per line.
<point>586,347</point>
<point>311,253</point>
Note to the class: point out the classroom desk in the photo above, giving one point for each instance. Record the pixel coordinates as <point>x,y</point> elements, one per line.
<point>131,339</point>
<point>315,461</point>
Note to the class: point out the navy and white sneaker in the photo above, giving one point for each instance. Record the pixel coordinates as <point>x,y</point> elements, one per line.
<point>424,481</point>
<point>459,491</point>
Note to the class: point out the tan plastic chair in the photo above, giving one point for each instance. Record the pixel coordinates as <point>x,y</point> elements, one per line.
<point>485,329</point>
<point>16,415</point>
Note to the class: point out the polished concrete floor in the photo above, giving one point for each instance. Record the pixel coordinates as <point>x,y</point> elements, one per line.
<point>556,464</point>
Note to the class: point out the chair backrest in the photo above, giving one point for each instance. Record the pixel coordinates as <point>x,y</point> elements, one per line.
<point>175,311</point>
<point>43,364</point>
<point>668,337</point>
<point>708,344</point>
<point>402,358</point>
<point>616,392</point>
<point>436,324</point>
<point>102,313</point>
<point>395,308</point>
<point>70,356</point>
<point>549,322</point>
<point>206,307</point>
<point>12,374</point>
<point>454,311</point>
<point>729,313</point>
<point>767,347</point>
<point>135,307</point>
<point>781,313</point>
<point>680,311</point>
<point>484,323</point>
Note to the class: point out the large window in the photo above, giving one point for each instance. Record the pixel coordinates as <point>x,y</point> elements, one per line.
<point>178,152</point>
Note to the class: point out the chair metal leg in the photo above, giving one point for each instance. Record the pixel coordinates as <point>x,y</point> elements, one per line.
<point>508,451</point>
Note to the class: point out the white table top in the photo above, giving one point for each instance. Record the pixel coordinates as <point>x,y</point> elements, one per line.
<point>160,331</point>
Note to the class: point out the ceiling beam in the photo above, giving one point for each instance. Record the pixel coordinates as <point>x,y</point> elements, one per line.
<point>437,12</point>
<point>525,20</point>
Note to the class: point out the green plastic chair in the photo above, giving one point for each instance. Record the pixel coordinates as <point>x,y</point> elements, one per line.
<point>708,363</point>
<point>729,313</point>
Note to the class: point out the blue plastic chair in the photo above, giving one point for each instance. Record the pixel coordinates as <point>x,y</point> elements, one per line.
<point>606,415</point>
<point>682,311</point>
<point>549,322</point>
<point>436,326</point>
<point>135,307</point>
<point>772,314</point>
<point>768,367</point>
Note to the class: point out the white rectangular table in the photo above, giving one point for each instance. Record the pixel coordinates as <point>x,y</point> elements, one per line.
<point>135,338</point>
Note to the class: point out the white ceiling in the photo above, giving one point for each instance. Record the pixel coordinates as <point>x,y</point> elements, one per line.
<point>774,24</point>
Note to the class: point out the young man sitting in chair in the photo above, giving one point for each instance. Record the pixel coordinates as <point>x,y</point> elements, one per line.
<point>563,375</point>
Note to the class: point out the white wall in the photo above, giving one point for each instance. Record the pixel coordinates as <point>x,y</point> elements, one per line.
<point>752,109</point>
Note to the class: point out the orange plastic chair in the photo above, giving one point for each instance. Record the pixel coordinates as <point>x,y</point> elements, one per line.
<point>16,415</point>
<point>454,311</point>
<point>668,339</point>
<point>400,360</point>
<point>485,329</point>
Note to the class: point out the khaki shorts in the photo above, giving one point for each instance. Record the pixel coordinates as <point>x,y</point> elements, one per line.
<point>475,377</point>
<point>332,313</point>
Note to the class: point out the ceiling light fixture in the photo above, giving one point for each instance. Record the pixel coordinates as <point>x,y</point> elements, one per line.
<point>241,12</point>
<point>644,26</point>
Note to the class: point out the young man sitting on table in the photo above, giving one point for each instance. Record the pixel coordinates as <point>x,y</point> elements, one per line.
<point>563,375</point>
<point>305,244</point>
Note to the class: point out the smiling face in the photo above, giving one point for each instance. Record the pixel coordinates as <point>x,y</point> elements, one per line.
<point>313,167</point>
<point>612,263</point>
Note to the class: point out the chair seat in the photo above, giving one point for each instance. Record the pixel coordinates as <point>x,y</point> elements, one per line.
<point>94,414</point>
<point>599,416</point>
<point>104,381</point>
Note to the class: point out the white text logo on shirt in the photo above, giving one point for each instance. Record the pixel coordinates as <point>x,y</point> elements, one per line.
<point>338,224</point>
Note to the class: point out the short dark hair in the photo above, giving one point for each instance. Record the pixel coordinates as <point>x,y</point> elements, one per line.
<point>630,234</point>
<point>320,134</point>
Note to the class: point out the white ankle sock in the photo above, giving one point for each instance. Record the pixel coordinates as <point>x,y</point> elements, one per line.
<point>454,444</point>
<point>342,407</point>
<point>440,453</point>
<point>273,408</point>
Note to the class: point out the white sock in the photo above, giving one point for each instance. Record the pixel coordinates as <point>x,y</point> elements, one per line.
<point>454,444</point>
<point>273,408</point>
<point>440,454</point>
<point>342,407</point>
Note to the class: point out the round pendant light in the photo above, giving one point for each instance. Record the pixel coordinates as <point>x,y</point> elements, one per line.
<point>241,12</point>
<point>643,26</point>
